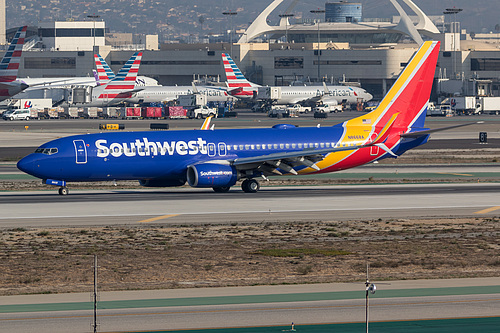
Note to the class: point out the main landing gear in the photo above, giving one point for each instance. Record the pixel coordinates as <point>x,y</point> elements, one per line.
<point>250,186</point>
<point>63,190</point>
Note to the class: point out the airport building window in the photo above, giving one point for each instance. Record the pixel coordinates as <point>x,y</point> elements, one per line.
<point>485,64</point>
<point>70,32</point>
<point>173,62</point>
<point>348,62</point>
<point>50,63</point>
<point>288,62</point>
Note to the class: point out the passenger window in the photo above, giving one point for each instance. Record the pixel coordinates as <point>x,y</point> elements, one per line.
<point>305,145</point>
<point>328,145</point>
<point>241,147</point>
<point>293,145</point>
<point>282,146</point>
<point>275,146</point>
<point>300,145</point>
<point>252,147</point>
<point>287,146</point>
<point>316,145</point>
<point>322,145</point>
<point>258,146</point>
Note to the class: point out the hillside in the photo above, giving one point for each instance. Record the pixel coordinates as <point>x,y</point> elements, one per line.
<point>192,18</point>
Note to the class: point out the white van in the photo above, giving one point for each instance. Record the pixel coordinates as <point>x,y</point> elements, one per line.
<point>18,114</point>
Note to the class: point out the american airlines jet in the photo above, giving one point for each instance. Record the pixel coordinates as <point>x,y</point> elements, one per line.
<point>102,75</point>
<point>9,84</point>
<point>219,158</point>
<point>240,87</point>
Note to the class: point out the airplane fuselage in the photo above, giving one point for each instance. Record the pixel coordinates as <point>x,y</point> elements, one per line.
<point>170,93</point>
<point>166,156</point>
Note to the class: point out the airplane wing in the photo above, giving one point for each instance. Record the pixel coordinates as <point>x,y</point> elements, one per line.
<point>286,161</point>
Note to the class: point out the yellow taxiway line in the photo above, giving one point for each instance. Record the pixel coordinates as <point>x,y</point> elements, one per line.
<point>153,219</point>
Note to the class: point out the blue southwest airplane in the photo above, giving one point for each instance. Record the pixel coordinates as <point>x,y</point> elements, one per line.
<point>219,158</point>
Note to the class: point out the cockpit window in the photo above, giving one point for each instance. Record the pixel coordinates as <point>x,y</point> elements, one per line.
<point>46,151</point>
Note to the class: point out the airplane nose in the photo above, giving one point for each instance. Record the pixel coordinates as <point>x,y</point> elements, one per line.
<point>27,164</point>
<point>368,96</point>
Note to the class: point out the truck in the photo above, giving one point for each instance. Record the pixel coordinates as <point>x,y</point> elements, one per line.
<point>441,110</point>
<point>327,108</point>
<point>28,103</point>
<point>201,112</point>
<point>488,105</point>
<point>464,105</point>
<point>297,108</point>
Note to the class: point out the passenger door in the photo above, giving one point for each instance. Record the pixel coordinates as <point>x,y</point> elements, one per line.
<point>80,151</point>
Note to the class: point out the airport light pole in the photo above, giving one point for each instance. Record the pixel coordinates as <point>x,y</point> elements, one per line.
<point>318,11</point>
<point>93,17</point>
<point>286,16</point>
<point>230,14</point>
<point>370,288</point>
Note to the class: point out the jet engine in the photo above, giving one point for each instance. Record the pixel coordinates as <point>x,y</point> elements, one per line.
<point>212,175</point>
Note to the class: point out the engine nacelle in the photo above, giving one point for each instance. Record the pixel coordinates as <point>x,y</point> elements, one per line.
<point>212,175</point>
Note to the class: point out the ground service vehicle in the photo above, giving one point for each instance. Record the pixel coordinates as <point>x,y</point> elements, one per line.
<point>488,105</point>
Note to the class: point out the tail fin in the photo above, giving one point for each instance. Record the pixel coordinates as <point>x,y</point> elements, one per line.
<point>409,95</point>
<point>105,74</point>
<point>237,83</point>
<point>122,86</point>
<point>10,61</point>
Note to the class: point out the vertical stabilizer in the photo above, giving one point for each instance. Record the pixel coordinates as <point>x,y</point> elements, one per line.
<point>104,72</point>
<point>123,84</point>
<point>409,95</point>
<point>12,58</point>
<point>237,83</point>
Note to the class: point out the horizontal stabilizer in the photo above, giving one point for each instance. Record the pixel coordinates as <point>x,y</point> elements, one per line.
<point>418,134</point>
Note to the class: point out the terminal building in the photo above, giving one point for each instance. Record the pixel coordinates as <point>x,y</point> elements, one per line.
<point>335,45</point>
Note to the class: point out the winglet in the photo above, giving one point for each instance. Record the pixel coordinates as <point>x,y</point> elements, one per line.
<point>206,123</point>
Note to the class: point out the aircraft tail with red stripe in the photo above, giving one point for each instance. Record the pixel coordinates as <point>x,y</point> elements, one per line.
<point>104,72</point>
<point>9,67</point>
<point>237,83</point>
<point>122,86</point>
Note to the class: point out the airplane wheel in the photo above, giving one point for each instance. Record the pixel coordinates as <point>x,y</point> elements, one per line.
<point>250,186</point>
<point>63,191</point>
<point>222,189</point>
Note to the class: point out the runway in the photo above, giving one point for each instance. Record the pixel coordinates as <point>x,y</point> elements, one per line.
<point>290,203</point>
<point>253,306</point>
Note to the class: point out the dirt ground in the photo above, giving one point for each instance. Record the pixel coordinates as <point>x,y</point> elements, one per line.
<point>162,256</point>
<point>55,260</point>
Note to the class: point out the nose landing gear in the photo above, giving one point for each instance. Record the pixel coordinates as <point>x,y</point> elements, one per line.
<point>63,190</point>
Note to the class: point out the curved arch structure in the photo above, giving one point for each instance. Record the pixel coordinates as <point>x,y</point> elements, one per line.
<point>424,26</point>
